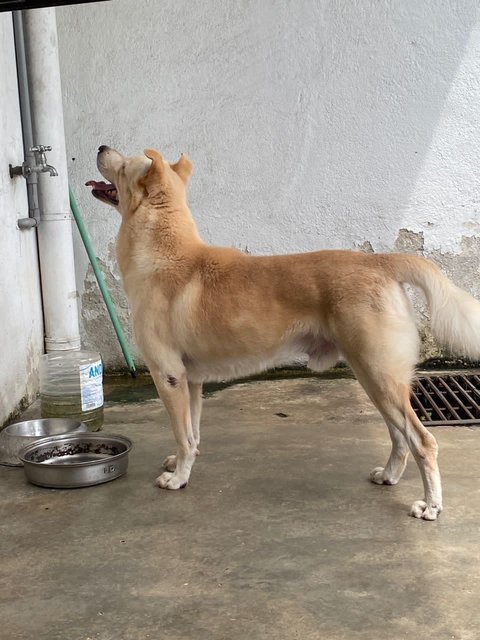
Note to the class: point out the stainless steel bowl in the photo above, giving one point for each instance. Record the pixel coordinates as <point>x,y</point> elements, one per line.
<point>18,435</point>
<point>76,460</point>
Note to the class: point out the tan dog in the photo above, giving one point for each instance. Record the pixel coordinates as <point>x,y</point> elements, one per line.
<point>204,313</point>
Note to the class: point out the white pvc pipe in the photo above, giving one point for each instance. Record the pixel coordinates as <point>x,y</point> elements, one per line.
<point>55,229</point>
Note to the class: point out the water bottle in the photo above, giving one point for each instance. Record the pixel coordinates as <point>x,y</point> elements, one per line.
<point>71,386</point>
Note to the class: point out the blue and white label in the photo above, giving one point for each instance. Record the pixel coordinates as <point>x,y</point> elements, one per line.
<point>91,387</point>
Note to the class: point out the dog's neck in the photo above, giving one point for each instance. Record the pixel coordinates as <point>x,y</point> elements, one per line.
<point>156,238</point>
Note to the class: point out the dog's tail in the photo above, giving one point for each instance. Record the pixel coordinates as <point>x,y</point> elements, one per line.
<point>455,314</point>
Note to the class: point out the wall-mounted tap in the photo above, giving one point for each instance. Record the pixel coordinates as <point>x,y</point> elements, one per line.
<point>36,162</point>
<point>52,171</point>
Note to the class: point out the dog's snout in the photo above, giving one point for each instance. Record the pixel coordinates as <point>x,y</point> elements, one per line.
<point>102,147</point>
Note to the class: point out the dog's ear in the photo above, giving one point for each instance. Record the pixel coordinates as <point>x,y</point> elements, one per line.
<point>156,170</point>
<point>183,168</point>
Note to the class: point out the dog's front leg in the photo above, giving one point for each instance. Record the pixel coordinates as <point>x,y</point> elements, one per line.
<point>195,391</point>
<point>172,387</point>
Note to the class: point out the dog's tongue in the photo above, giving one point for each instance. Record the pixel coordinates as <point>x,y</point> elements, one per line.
<point>100,186</point>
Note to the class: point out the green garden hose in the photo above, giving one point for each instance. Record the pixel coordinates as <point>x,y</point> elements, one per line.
<point>101,283</point>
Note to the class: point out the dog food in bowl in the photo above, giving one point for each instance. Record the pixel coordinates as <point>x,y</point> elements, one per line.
<point>77,460</point>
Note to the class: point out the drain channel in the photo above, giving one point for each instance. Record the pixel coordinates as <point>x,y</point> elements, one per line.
<point>447,399</point>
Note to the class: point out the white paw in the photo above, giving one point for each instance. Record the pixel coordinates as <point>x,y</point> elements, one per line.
<point>171,481</point>
<point>420,509</point>
<point>170,463</point>
<point>377,476</point>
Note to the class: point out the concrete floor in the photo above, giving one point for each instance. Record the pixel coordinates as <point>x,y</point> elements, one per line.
<point>279,534</point>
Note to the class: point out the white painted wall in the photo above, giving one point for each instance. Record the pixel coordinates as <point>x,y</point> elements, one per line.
<point>21,330</point>
<point>311,124</point>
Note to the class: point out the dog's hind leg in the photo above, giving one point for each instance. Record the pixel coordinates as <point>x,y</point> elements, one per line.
<point>382,351</point>
<point>393,470</point>
<point>195,391</point>
<point>196,410</point>
<point>172,386</point>
<point>392,399</point>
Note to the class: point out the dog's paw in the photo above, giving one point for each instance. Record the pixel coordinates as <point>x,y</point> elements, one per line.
<point>420,509</point>
<point>377,476</point>
<point>171,481</point>
<point>170,463</point>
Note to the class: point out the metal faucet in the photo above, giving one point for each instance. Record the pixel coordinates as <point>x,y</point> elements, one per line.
<point>39,164</point>
<point>51,170</point>
<point>41,160</point>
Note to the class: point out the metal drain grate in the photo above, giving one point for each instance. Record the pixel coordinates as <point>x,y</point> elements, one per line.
<point>447,399</point>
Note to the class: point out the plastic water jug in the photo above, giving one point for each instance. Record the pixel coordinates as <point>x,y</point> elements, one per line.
<point>71,386</point>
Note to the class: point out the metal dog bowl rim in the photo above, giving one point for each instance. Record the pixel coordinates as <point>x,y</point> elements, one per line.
<point>12,441</point>
<point>79,423</point>
<point>125,440</point>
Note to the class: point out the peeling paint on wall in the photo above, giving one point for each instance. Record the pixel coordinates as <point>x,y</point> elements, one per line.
<point>409,241</point>
<point>365,247</point>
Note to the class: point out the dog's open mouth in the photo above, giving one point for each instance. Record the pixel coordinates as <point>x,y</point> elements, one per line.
<point>104,191</point>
